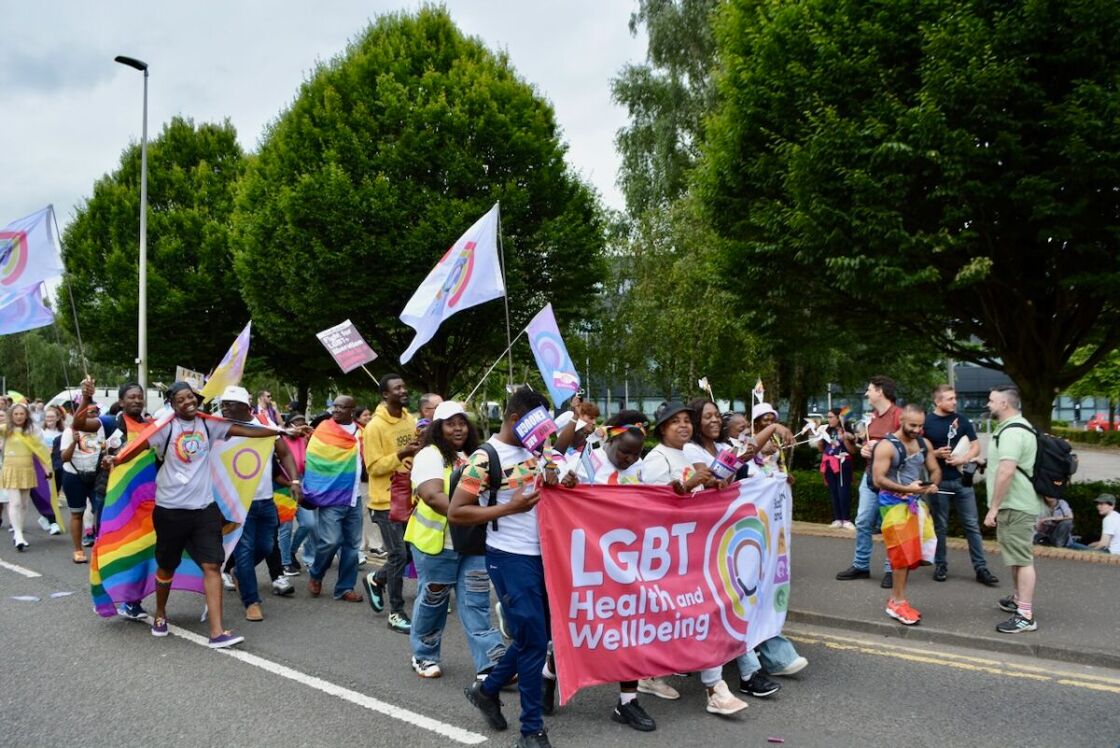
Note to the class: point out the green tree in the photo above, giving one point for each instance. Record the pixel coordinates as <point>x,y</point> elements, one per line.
<point>1103,380</point>
<point>45,361</point>
<point>940,169</point>
<point>194,301</point>
<point>387,155</point>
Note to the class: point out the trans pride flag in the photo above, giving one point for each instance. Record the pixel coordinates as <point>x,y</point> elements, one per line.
<point>557,369</point>
<point>331,471</point>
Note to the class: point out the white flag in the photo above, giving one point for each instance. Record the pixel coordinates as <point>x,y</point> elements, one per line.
<point>29,253</point>
<point>467,275</point>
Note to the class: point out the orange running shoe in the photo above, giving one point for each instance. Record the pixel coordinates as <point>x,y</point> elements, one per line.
<point>903,613</point>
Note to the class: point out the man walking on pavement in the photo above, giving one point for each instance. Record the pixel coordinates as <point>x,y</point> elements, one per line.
<point>390,442</point>
<point>946,429</point>
<point>1013,504</point>
<point>885,419</point>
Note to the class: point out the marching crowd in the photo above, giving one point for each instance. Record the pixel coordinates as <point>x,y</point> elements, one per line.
<point>462,512</point>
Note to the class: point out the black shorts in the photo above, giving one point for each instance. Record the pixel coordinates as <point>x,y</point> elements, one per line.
<point>79,488</point>
<point>196,531</point>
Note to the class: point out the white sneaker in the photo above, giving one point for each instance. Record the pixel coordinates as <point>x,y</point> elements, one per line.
<point>794,667</point>
<point>659,688</point>
<point>44,524</point>
<point>836,524</point>
<point>227,582</point>
<point>426,668</point>
<point>282,587</point>
<point>55,529</point>
<point>848,525</point>
<point>720,701</point>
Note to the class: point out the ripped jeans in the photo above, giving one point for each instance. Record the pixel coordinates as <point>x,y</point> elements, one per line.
<point>438,576</point>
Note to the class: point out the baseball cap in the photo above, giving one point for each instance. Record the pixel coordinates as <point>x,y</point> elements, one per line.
<point>448,409</point>
<point>762,409</point>
<point>1105,498</point>
<point>235,394</point>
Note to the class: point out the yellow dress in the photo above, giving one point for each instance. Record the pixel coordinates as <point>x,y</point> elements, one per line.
<point>19,465</point>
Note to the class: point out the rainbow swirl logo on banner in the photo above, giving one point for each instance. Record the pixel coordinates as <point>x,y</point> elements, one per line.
<point>736,564</point>
<point>459,275</point>
<point>13,256</point>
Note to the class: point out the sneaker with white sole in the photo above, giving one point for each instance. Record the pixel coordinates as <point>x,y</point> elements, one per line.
<point>1017,624</point>
<point>132,611</point>
<point>227,582</point>
<point>795,667</point>
<point>282,587</point>
<point>426,668</point>
<point>721,701</point>
<point>225,639</point>
<point>159,627</point>
<point>836,524</point>
<point>45,524</point>
<point>399,622</point>
<point>54,529</point>
<point>659,688</point>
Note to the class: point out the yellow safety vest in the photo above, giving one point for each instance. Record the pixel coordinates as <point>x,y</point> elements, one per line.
<point>427,527</point>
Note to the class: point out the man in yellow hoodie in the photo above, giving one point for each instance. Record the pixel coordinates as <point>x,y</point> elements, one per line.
<point>390,441</point>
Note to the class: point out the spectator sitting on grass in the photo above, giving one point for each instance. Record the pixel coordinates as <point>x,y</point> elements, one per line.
<point>1110,527</point>
<point>1054,524</point>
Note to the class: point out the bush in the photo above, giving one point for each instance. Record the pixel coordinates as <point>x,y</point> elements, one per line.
<point>1080,436</point>
<point>811,503</point>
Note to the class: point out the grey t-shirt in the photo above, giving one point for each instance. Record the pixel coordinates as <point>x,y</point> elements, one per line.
<point>183,480</point>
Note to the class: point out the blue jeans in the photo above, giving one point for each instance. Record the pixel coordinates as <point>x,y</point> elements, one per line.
<point>1082,547</point>
<point>284,542</point>
<point>773,655</point>
<point>519,582</point>
<point>866,516</point>
<point>308,520</point>
<point>438,575</point>
<point>257,536</point>
<point>963,499</point>
<point>340,529</point>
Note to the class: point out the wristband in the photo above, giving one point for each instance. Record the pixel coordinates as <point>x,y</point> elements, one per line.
<point>295,482</point>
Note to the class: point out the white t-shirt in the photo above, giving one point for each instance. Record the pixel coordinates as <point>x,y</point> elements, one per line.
<point>86,453</point>
<point>695,453</point>
<point>516,533</point>
<point>1111,526</point>
<point>664,464</point>
<point>604,472</point>
<point>183,480</point>
<point>428,465</point>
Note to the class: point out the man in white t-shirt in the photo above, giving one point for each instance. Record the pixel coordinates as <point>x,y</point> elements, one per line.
<point>513,559</point>
<point>1110,527</point>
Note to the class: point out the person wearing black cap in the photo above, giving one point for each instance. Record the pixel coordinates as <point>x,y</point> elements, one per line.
<point>1110,527</point>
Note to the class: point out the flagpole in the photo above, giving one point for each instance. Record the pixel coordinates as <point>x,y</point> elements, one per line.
<point>505,298</point>
<point>496,362</point>
<point>70,293</point>
<point>367,371</point>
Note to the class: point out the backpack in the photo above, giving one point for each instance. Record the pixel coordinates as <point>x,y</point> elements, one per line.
<point>470,540</point>
<point>900,453</point>
<point>1054,462</point>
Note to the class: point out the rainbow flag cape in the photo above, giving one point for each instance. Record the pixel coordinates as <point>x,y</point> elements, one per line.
<point>285,504</point>
<point>331,469</point>
<point>44,495</point>
<point>907,530</point>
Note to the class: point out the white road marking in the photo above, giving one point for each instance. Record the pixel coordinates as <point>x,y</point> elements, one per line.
<point>20,570</point>
<point>457,734</point>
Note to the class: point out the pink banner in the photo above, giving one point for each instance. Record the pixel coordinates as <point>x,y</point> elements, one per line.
<point>643,582</point>
<point>347,346</point>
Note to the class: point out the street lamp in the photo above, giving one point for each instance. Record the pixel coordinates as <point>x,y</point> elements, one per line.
<point>142,345</point>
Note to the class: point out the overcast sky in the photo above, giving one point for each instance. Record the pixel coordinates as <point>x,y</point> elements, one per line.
<point>70,110</point>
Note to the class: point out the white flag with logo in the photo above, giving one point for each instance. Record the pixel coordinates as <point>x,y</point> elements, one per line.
<point>467,275</point>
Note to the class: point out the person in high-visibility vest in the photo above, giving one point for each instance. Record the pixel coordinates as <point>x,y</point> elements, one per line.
<point>447,442</point>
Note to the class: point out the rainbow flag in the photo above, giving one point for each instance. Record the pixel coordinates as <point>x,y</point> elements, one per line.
<point>332,466</point>
<point>123,565</point>
<point>285,504</point>
<point>844,411</point>
<point>907,530</point>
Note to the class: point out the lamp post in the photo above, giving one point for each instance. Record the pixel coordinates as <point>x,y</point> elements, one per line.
<point>142,342</point>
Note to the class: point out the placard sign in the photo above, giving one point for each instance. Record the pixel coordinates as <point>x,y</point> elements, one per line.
<point>534,428</point>
<point>347,346</point>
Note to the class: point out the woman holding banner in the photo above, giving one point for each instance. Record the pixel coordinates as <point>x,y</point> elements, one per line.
<point>668,464</point>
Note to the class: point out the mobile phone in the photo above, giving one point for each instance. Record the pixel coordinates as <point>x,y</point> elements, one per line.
<point>925,483</point>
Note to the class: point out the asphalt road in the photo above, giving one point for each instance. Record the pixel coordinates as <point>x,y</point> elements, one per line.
<point>318,672</point>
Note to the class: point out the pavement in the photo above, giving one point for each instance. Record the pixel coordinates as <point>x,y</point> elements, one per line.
<point>1076,605</point>
<point>317,672</point>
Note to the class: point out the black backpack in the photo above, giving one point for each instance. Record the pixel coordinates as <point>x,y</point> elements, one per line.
<point>470,540</point>
<point>1054,462</point>
<point>900,452</point>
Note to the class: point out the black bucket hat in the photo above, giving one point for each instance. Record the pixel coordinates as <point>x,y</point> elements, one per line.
<point>667,411</point>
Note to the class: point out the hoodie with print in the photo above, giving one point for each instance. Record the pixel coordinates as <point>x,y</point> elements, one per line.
<point>383,437</point>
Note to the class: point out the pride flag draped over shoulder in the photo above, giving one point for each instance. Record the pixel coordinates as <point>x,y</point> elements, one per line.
<point>468,274</point>
<point>123,566</point>
<point>44,495</point>
<point>331,469</point>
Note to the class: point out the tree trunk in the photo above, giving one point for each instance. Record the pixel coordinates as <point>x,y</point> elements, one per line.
<point>1038,403</point>
<point>302,392</point>
<point>1111,414</point>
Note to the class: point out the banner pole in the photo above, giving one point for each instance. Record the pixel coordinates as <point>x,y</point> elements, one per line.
<point>70,292</point>
<point>497,361</point>
<point>367,371</point>
<point>505,297</point>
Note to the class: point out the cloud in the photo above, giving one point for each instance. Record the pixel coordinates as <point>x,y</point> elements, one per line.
<point>52,71</point>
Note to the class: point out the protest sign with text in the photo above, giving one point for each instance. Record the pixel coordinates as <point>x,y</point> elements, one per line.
<point>347,346</point>
<point>643,582</point>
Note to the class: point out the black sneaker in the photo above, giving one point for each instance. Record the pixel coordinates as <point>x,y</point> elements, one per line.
<point>940,573</point>
<point>548,695</point>
<point>533,740</point>
<point>490,706</point>
<point>632,714</point>
<point>1008,604</point>
<point>759,686</point>
<point>983,576</point>
<point>374,593</point>
<point>888,581</point>
<point>1017,624</point>
<point>854,572</point>
<point>291,570</point>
